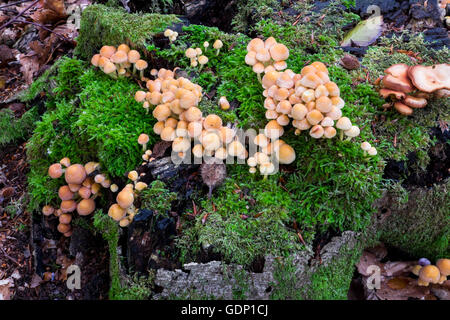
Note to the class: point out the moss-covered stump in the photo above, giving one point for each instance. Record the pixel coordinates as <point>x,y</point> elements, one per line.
<point>102,25</point>
<point>416,222</point>
<point>281,278</point>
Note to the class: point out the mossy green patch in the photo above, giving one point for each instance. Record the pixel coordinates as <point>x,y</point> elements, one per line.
<point>13,129</point>
<point>102,25</point>
<point>418,221</point>
<point>95,120</point>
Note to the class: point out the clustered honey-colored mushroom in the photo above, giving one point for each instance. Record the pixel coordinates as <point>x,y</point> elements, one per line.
<point>409,88</point>
<point>265,56</point>
<point>435,274</point>
<point>196,57</point>
<point>120,61</point>
<point>84,183</point>
<point>123,211</point>
<point>309,99</point>
<point>172,35</point>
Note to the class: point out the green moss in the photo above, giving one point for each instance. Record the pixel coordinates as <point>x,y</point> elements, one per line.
<point>90,117</point>
<point>285,284</point>
<point>109,230</point>
<point>418,224</point>
<point>157,197</point>
<point>250,220</point>
<point>13,129</point>
<point>332,281</point>
<point>101,25</point>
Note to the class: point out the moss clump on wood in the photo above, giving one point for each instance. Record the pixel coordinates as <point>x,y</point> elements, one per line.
<point>13,129</point>
<point>102,25</point>
<point>418,221</point>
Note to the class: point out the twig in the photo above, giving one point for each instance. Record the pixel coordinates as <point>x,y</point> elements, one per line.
<point>19,15</point>
<point>13,3</point>
<point>43,27</point>
<point>10,258</point>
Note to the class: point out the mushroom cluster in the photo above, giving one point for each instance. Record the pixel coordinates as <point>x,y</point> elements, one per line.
<point>120,61</point>
<point>409,88</point>
<point>84,183</point>
<point>310,99</point>
<point>429,273</point>
<point>265,56</point>
<point>196,56</point>
<point>172,35</point>
<point>123,211</point>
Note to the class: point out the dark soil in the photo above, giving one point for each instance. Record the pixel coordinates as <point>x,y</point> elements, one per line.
<point>437,171</point>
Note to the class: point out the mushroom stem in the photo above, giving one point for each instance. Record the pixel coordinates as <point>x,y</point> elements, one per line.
<point>341,135</point>
<point>210,192</point>
<point>141,73</point>
<point>217,52</point>
<point>259,77</point>
<point>201,67</point>
<point>113,74</point>
<point>144,146</point>
<point>134,69</point>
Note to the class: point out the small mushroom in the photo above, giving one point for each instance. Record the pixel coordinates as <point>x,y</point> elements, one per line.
<point>75,174</point>
<point>413,102</point>
<point>116,212</point>
<point>403,108</point>
<point>224,104</point>
<point>428,274</point>
<point>397,78</point>
<point>430,79</point>
<point>217,45</point>
<point>48,210</point>
<point>125,198</point>
<point>141,65</point>
<point>202,60</point>
<point>86,207</point>
<point>55,171</point>
<point>285,154</point>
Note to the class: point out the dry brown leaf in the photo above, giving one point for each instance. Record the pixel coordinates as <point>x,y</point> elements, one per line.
<point>5,291</point>
<point>397,268</point>
<point>35,281</point>
<point>29,66</point>
<point>410,291</point>
<point>52,11</point>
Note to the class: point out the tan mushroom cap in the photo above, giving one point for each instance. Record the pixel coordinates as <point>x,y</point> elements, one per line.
<point>161,112</point>
<point>261,140</point>
<point>444,266</point>
<point>403,108</point>
<point>141,64</point>
<point>123,47</point>
<point>140,96</point>
<point>324,104</point>
<point>86,207</point>
<point>279,52</point>
<point>316,131</point>
<point>211,141</point>
<point>48,210</point>
<point>285,154</point>
<point>397,78</point>
<point>354,131</point>
<point>125,198</point>
<point>133,56</point>
<point>250,58</point>
<point>218,44</point>
<point>109,67</point>
<point>90,167</point>
<point>255,44</point>
<point>168,134</point>
<point>94,60</point>
<point>116,212</point>
<point>181,144</point>
<point>65,162</point>
<point>329,132</point>
<point>430,79</point>
<point>429,274</point>
<point>140,186</point>
<point>388,92</point>
<point>65,218</point>
<point>236,149</point>
<point>273,130</point>
<point>212,121</point>
<point>55,171</point>
<point>75,174</point>
<point>344,123</point>
<point>64,193</point>
<point>143,138</point>
<point>299,111</point>
<point>193,114</point>
<point>63,228</point>
<point>107,51</point>
<point>366,146</point>
<point>119,57</point>
<point>314,117</point>
<point>68,206</point>
<point>415,102</point>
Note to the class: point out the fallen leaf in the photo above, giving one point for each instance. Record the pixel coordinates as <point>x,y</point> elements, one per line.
<point>29,66</point>
<point>5,291</point>
<point>367,259</point>
<point>398,268</point>
<point>52,11</point>
<point>35,281</point>
<point>365,33</point>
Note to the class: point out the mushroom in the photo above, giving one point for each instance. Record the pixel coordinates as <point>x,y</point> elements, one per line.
<point>48,210</point>
<point>388,92</point>
<point>107,51</point>
<point>202,60</point>
<point>65,162</point>
<point>343,124</point>
<point>444,268</point>
<point>86,207</point>
<point>84,192</point>
<point>133,175</point>
<point>329,132</point>
<point>279,52</point>
<point>55,171</point>
<point>116,212</point>
<point>68,206</point>
<point>206,45</point>
<point>224,104</point>
<point>430,79</point>
<point>352,132</point>
<point>141,186</point>
<point>141,65</point>
<point>397,78</point>
<point>236,149</point>
<point>110,69</point>
<point>64,228</point>
<point>285,154</point>
<point>75,174</point>
<point>415,102</point>
<point>65,218</point>
<point>428,274</point>
<point>316,131</point>
<point>64,193</point>
<point>403,108</point>
<point>212,121</point>
<point>273,130</point>
<point>125,198</point>
<point>217,45</point>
